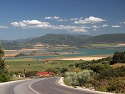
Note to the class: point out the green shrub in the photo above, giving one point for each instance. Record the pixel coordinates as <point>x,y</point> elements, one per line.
<point>78,79</point>
<point>83,77</point>
<point>4,77</point>
<point>71,78</point>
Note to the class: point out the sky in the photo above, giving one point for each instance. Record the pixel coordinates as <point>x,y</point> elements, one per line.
<point>21,19</point>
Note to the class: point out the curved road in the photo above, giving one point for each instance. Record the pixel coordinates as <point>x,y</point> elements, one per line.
<point>40,86</point>
<point>8,87</point>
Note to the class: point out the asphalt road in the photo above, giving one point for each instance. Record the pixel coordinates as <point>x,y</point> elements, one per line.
<point>7,88</point>
<point>49,86</point>
<point>19,87</point>
<point>40,86</point>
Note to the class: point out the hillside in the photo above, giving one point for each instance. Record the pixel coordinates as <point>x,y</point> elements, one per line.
<point>107,38</point>
<point>61,39</point>
<point>66,39</point>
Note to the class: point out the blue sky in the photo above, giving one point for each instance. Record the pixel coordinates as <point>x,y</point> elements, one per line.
<point>20,19</point>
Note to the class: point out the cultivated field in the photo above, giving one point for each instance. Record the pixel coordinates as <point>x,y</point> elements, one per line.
<point>34,65</point>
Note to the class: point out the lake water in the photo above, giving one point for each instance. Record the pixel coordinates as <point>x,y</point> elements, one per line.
<point>78,52</point>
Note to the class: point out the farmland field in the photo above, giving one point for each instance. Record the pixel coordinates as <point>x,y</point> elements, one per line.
<point>42,63</point>
<point>34,65</point>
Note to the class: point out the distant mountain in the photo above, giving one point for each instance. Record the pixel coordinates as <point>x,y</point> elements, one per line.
<point>61,39</point>
<point>107,38</point>
<point>66,39</point>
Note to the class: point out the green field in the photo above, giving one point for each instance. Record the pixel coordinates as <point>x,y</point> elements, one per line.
<point>34,65</point>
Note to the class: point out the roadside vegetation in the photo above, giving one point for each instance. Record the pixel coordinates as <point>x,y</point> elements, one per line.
<point>4,75</point>
<point>106,74</point>
<point>102,75</point>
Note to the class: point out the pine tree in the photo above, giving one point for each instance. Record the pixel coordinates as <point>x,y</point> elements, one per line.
<point>2,63</point>
<point>4,76</point>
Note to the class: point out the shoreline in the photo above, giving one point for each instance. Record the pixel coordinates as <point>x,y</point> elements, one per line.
<point>86,58</point>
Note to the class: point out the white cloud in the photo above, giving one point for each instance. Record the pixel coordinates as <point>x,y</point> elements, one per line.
<point>52,18</point>
<point>80,22</point>
<point>115,26</point>
<point>30,24</point>
<point>71,28</point>
<point>55,18</point>
<point>73,19</point>
<point>79,30</point>
<point>91,20</point>
<point>3,27</point>
<point>48,18</point>
<point>94,26</point>
<point>18,24</point>
<point>104,25</point>
<point>122,22</point>
<point>38,24</point>
<point>61,20</point>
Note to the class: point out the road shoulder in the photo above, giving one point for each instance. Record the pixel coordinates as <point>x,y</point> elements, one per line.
<point>61,83</point>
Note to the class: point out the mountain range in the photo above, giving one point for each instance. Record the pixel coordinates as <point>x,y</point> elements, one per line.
<point>64,39</point>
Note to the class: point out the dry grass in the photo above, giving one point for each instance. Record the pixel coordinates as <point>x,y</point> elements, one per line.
<point>118,65</point>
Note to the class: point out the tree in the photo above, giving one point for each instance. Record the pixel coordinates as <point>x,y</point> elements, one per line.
<point>2,63</point>
<point>100,68</point>
<point>4,76</point>
<point>1,52</point>
<point>118,57</point>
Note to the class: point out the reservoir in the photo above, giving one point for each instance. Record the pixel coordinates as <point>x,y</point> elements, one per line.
<point>77,53</point>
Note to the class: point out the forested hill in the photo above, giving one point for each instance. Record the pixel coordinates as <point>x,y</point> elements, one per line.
<point>61,39</point>
<point>107,38</point>
<point>66,39</point>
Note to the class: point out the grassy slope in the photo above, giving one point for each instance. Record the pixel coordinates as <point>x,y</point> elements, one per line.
<point>20,65</point>
<point>107,38</point>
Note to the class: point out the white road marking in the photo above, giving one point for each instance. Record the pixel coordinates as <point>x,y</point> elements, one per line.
<point>33,89</point>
